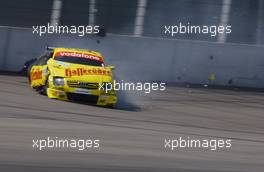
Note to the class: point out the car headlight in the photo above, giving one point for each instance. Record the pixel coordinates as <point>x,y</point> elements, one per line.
<point>58,81</point>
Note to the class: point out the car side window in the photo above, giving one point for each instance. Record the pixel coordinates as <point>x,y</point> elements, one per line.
<point>40,61</point>
<point>43,59</point>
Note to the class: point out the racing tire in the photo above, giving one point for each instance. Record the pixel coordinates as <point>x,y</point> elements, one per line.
<point>111,106</point>
<point>44,88</point>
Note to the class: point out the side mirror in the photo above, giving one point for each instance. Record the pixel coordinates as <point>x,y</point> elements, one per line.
<point>111,67</point>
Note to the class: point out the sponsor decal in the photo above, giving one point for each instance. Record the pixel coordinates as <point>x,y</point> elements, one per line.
<point>80,55</point>
<point>37,74</point>
<point>83,71</point>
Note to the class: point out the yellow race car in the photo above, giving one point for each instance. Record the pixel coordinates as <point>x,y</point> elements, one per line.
<point>73,74</point>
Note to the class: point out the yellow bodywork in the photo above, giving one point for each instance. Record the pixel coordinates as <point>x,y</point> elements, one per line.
<point>81,82</point>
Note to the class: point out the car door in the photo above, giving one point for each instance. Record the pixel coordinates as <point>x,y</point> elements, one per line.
<point>39,72</point>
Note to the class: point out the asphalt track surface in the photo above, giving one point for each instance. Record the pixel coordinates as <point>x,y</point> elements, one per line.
<point>132,140</point>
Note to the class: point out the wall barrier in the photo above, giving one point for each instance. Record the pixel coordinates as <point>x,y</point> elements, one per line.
<point>148,59</point>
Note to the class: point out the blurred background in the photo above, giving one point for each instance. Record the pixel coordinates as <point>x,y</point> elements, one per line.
<point>142,17</point>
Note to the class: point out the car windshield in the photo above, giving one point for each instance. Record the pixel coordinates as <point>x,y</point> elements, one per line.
<point>77,60</point>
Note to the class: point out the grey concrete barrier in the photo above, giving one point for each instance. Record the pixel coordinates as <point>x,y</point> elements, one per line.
<point>148,59</point>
